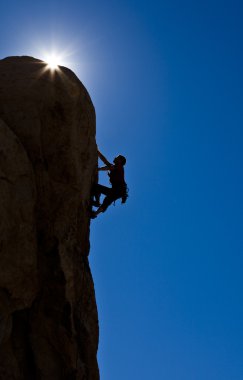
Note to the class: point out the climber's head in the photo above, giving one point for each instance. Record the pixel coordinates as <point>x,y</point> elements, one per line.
<point>120,160</point>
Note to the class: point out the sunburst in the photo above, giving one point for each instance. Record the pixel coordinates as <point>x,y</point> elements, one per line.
<point>53,61</point>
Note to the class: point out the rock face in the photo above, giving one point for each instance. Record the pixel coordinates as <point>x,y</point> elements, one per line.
<point>48,160</point>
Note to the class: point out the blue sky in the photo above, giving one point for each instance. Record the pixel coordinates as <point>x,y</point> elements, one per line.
<point>166,80</point>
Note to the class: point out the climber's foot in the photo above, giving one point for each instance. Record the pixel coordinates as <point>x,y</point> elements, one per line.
<point>93,215</point>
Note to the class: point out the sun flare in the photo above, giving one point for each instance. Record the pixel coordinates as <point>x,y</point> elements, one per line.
<point>53,61</point>
<point>55,58</point>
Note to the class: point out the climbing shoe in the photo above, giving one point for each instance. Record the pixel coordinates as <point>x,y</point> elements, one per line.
<point>93,215</point>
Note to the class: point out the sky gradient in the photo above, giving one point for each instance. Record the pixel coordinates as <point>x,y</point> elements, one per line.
<point>166,81</point>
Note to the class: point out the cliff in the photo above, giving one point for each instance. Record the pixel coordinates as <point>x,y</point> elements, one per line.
<point>48,160</point>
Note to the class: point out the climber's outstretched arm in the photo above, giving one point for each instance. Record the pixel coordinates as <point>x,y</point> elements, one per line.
<point>104,168</point>
<point>106,162</point>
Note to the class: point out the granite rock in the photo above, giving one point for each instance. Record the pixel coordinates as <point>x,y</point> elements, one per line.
<point>48,163</point>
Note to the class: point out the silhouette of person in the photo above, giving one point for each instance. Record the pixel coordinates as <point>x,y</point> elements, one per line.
<point>118,187</point>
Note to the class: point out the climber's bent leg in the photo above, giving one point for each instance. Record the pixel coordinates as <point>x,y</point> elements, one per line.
<point>97,191</point>
<point>106,203</point>
<point>108,200</point>
<point>112,196</point>
<point>100,189</point>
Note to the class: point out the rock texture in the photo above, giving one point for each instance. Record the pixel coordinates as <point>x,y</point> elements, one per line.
<point>48,160</point>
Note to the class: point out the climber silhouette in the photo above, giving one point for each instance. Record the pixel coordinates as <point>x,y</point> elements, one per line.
<point>118,187</point>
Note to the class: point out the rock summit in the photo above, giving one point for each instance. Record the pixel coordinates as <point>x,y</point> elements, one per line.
<point>48,161</point>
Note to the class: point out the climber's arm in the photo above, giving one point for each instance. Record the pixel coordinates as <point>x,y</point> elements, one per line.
<point>104,168</point>
<point>106,162</point>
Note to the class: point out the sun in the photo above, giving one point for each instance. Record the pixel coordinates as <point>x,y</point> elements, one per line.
<point>53,61</point>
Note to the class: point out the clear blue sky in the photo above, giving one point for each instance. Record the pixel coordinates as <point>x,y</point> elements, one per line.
<point>166,80</point>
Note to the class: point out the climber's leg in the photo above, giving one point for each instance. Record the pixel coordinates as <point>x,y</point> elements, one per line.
<point>97,191</point>
<point>111,197</point>
<point>106,203</point>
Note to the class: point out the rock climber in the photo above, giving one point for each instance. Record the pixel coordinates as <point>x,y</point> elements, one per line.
<point>118,187</point>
